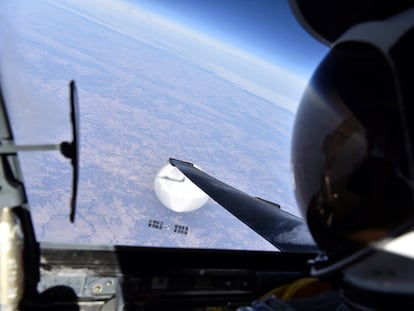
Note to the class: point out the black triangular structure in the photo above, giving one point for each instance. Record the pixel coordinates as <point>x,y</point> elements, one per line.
<point>266,218</point>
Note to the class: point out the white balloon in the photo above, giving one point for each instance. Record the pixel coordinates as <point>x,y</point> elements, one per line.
<point>176,191</point>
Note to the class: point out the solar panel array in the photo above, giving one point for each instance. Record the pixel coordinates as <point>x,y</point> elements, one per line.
<point>158,224</point>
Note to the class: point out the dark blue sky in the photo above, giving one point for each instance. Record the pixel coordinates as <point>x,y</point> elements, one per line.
<point>266,28</point>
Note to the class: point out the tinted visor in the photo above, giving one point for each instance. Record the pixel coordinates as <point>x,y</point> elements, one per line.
<point>350,150</point>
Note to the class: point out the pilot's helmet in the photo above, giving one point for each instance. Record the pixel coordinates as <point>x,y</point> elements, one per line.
<point>353,159</point>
